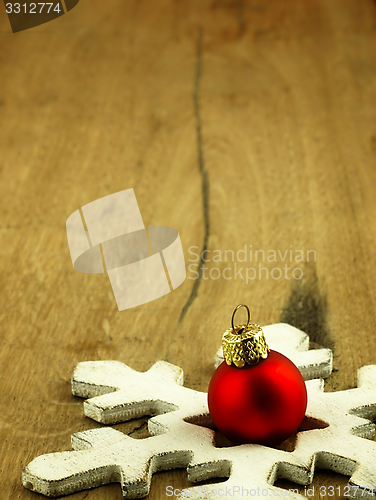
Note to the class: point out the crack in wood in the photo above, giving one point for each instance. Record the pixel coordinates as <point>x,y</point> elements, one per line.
<point>203,173</point>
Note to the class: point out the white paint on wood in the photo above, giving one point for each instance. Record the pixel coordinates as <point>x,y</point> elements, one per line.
<point>118,393</point>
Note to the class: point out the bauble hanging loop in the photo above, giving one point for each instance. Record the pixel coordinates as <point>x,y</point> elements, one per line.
<point>244,344</point>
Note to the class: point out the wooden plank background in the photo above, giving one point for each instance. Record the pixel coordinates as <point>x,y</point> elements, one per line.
<point>240,123</point>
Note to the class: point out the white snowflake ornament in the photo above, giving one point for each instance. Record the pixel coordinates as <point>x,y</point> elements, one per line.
<point>182,433</point>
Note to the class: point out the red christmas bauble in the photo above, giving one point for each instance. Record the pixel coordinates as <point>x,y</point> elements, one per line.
<point>262,403</point>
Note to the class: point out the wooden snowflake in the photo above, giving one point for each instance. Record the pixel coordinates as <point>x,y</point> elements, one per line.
<point>182,434</point>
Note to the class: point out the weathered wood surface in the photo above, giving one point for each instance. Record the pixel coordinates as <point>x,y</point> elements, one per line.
<point>238,123</point>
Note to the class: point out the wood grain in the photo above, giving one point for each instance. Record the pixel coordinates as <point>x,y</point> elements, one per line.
<point>238,123</point>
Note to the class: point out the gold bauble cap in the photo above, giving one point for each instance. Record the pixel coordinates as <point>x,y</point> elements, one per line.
<point>244,344</point>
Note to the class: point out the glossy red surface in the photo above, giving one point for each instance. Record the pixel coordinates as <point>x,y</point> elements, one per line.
<point>263,404</point>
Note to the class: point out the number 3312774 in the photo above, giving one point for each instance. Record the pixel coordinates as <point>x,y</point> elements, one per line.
<point>32,8</point>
